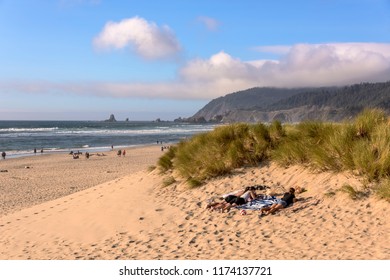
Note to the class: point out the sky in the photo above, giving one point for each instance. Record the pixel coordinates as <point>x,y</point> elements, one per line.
<point>143,60</point>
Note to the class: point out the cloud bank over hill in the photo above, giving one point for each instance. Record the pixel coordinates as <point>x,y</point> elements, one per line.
<point>300,65</point>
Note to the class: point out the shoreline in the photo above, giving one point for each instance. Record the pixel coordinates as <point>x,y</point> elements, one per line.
<point>22,154</point>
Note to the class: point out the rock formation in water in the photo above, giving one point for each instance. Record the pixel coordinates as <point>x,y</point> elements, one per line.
<point>111,119</point>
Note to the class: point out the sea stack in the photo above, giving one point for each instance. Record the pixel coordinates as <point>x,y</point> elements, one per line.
<point>111,119</point>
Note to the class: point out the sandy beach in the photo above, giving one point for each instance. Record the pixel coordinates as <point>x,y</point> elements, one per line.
<point>107,208</point>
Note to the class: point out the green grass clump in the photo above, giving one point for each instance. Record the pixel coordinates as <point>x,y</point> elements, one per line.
<point>339,145</point>
<point>352,193</point>
<point>220,151</point>
<point>276,132</point>
<point>151,168</point>
<point>193,183</point>
<point>306,143</point>
<point>362,145</point>
<point>168,181</point>
<point>165,162</point>
<point>367,121</point>
<point>330,194</point>
<point>383,189</point>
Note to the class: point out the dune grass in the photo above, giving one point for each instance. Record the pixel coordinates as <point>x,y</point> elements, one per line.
<point>383,189</point>
<point>168,181</point>
<point>353,194</point>
<point>361,145</point>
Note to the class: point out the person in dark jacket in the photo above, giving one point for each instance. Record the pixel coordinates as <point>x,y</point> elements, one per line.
<point>287,199</point>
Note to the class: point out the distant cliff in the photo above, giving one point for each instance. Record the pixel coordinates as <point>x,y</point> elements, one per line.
<point>294,105</point>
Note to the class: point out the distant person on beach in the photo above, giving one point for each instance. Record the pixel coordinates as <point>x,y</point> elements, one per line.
<point>287,199</point>
<point>124,153</point>
<point>35,151</point>
<point>119,153</point>
<point>41,150</point>
<point>86,155</point>
<point>3,154</point>
<point>112,147</point>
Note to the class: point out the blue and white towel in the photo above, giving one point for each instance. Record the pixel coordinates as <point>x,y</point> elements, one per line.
<point>259,203</point>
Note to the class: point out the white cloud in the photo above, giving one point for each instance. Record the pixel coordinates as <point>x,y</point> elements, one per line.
<point>145,38</point>
<point>210,23</point>
<point>333,64</point>
<point>303,65</point>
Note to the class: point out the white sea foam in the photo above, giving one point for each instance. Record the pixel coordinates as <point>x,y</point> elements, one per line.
<point>41,129</point>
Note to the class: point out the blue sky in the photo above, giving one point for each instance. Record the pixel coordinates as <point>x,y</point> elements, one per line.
<point>86,59</point>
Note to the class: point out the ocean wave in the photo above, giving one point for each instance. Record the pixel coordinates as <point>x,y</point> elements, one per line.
<point>169,130</point>
<point>133,131</point>
<point>11,134</point>
<point>40,129</point>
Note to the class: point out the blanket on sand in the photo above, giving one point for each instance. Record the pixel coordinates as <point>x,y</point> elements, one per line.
<point>258,203</point>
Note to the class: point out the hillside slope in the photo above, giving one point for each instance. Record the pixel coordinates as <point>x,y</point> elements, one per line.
<point>294,105</point>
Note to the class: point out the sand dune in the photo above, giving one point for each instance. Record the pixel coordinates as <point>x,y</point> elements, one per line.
<point>134,217</point>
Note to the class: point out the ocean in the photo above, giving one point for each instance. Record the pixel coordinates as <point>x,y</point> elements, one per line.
<point>20,138</point>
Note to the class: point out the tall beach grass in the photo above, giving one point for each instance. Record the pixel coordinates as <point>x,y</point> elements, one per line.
<point>361,145</point>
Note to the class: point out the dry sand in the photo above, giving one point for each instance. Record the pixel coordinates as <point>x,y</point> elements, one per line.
<point>37,179</point>
<point>131,216</point>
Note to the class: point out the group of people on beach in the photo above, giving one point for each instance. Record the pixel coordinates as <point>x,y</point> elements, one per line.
<point>35,151</point>
<point>248,194</point>
<point>76,155</point>
<point>4,154</point>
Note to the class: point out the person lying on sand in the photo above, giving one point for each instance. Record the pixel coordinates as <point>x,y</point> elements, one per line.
<point>287,199</point>
<point>239,198</point>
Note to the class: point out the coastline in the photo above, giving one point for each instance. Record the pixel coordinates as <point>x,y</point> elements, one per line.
<point>132,217</point>
<point>20,138</point>
<point>67,151</point>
